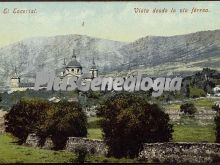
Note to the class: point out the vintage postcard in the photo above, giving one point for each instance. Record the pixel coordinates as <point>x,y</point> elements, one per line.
<point>110,82</point>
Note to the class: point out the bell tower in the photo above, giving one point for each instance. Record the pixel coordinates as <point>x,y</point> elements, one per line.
<point>15,80</point>
<point>93,70</point>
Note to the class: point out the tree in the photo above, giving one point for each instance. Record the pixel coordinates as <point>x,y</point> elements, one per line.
<point>25,117</point>
<point>58,120</point>
<point>64,119</point>
<point>188,108</point>
<point>217,123</point>
<point>129,120</point>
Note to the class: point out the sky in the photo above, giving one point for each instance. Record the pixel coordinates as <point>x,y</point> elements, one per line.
<point>109,20</point>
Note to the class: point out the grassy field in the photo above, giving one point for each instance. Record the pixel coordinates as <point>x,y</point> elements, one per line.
<point>207,103</point>
<point>203,102</point>
<point>181,134</point>
<point>188,131</point>
<point>10,152</point>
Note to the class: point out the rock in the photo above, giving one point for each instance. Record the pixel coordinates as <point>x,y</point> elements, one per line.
<point>32,140</point>
<point>2,122</point>
<point>48,143</point>
<point>93,146</point>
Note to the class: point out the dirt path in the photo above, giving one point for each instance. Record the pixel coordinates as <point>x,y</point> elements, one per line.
<point>2,113</point>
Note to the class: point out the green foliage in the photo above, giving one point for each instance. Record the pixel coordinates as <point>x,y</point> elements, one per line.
<point>58,120</point>
<point>129,121</point>
<point>217,126</point>
<point>64,119</point>
<point>25,117</point>
<point>196,92</point>
<point>188,109</point>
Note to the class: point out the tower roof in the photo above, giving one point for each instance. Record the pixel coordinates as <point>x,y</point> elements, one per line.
<point>74,63</point>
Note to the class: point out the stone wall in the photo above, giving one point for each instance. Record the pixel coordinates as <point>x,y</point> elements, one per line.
<point>48,144</point>
<point>32,140</point>
<point>202,114</point>
<point>180,152</point>
<point>2,122</point>
<point>94,146</point>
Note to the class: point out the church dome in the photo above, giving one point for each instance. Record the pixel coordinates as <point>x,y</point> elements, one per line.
<point>74,63</point>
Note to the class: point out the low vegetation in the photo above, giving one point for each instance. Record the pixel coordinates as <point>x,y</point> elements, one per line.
<point>188,109</point>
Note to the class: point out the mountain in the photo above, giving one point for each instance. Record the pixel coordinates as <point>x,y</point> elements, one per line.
<point>153,55</point>
<point>175,53</point>
<point>31,55</point>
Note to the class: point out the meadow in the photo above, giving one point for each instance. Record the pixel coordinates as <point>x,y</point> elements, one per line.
<point>10,152</point>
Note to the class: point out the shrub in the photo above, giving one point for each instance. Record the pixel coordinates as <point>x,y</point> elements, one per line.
<point>128,121</point>
<point>64,119</point>
<point>25,117</point>
<point>58,120</point>
<point>188,108</point>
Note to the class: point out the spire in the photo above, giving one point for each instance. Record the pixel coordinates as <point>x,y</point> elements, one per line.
<point>74,54</point>
<point>93,64</point>
<point>15,70</point>
<point>93,61</point>
<point>15,75</point>
<point>64,62</point>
